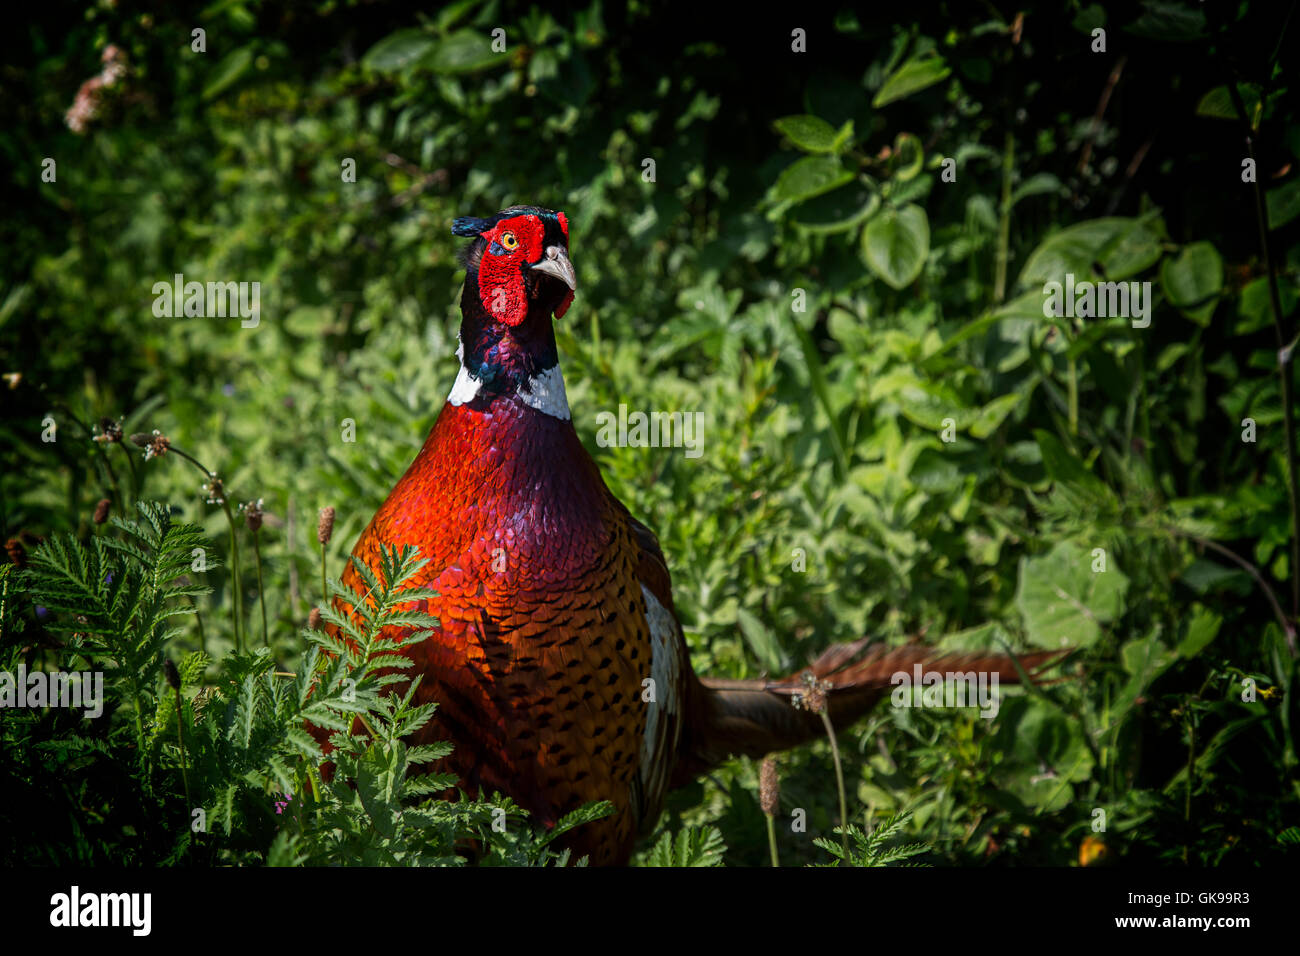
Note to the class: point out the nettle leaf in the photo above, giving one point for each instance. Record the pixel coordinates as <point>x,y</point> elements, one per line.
<point>895,245</point>
<point>1193,279</point>
<point>812,134</point>
<point>809,177</point>
<point>912,77</point>
<point>398,51</point>
<point>1063,602</point>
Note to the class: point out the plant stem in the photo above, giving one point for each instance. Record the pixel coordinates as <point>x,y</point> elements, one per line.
<point>1283,366</point>
<point>234,543</point>
<point>261,592</point>
<point>234,573</point>
<point>839,781</point>
<point>135,478</point>
<point>1288,629</point>
<point>1004,220</point>
<point>771,839</point>
<point>198,619</point>
<point>1074,397</point>
<point>180,738</point>
<point>324,590</point>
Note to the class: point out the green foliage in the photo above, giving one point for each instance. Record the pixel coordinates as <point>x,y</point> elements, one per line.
<point>238,740</point>
<point>693,846</point>
<point>841,259</point>
<point>873,849</point>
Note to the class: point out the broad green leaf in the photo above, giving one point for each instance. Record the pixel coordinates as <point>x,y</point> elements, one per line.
<point>465,51</point>
<point>399,50</point>
<point>1193,279</point>
<point>810,176</point>
<point>1256,304</point>
<point>1283,203</point>
<point>812,134</point>
<point>912,77</point>
<point>1063,602</point>
<point>895,245</point>
<point>837,211</point>
<point>1169,21</point>
<point>1121,246</point>
<point>1217,103</point>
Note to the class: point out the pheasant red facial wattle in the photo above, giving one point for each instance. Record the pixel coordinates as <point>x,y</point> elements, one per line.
<point>560,669</point>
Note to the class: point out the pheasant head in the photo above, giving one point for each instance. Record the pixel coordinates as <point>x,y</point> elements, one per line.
<point>518,275</point>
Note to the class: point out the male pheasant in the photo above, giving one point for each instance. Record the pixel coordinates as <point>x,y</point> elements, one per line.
<point>559,668</point>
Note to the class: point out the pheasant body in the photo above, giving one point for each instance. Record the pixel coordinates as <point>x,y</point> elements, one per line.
<point>559,666</point>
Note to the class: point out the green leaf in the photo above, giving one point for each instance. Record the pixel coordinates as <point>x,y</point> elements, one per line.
<point>812,134</point>
<point>1063,602</point>
<point>1193,280</point>
<point>1202,628</point>
<point>761,640</point>
<point>465,51</point>
<point>228,71</point>
<point>909,156</point>
<point>1217,103</point>
<point>837,211</point>
<point>993,414</point>
<point>912,77</point>
<point>1283,203</point>
<point>398,51</point>
<point>1121,246</point>
<point>1037,185</point>
<point>1169,21</point>
<point>695,846</point>
<point>1063,466</point>
<point>810,176</point>
<point>896,243</point>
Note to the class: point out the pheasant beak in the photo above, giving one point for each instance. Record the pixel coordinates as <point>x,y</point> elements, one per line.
<point>556,263</point>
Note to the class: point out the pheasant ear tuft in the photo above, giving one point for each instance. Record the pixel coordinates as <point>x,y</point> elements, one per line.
<point>469,226</point>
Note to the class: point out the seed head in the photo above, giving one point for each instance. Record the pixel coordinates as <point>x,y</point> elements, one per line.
<point>154,445</point>
<point>110,431</point>
<point>314,619</point>
<point>253,514</point>
<point>172,674</point>
<point>769,786</point>
<point>814,698</point>
<point>214,490</point>
<point>325,528</point>
<point>101,510</point>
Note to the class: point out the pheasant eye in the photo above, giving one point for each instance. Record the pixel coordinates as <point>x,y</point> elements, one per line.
<point>509,241</point>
